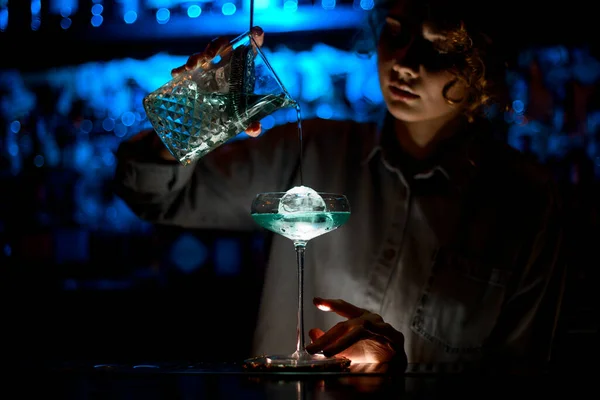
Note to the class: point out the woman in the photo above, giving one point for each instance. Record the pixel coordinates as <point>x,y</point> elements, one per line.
<point>452,250</point>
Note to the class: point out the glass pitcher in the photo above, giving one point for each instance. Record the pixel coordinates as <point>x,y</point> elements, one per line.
<point>201,109</point>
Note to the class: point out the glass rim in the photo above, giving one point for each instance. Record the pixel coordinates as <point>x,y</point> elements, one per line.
<point>281,194</point>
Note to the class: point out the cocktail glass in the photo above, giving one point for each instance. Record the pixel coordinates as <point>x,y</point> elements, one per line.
<point>300,216</point>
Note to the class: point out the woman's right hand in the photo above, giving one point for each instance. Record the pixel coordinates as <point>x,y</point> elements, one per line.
<point>209,53</point>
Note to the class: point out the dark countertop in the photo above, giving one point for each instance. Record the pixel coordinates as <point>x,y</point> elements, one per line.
<point>205,380</point>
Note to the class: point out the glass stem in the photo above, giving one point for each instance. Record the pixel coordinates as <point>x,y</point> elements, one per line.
<point>300,247</point>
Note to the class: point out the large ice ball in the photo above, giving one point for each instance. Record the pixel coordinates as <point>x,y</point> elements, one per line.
<point>301,199</point>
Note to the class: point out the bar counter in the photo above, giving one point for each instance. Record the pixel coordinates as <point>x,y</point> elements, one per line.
<point>210,380</point>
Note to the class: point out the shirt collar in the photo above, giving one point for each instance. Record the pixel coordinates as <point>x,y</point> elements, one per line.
<point>459,161</point>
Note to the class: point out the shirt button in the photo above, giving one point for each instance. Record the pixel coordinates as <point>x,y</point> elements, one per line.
<point>389,254</point>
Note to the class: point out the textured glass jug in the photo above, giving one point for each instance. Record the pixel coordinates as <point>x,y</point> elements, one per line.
<point>201,109</point>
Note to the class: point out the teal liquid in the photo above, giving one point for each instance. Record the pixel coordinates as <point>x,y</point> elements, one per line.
<point>192,123</point>
<point>302,225</point>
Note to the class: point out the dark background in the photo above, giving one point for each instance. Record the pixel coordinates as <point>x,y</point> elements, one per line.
<point>83,278</point>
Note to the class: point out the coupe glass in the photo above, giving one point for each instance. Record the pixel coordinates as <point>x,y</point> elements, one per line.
<point>300,226</point>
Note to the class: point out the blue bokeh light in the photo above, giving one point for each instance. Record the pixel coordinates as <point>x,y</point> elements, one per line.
<point>130,17</point>
<point>188,253</point>
<point>38,161</point>
<point>97,20</point>
<point>228,9</point>
<point>13,149</point>
<point>518,106</point>
<point>128,118</point>
<point>324,111</point>
<point>163,15</point>
<point>367,4</point>
<point>97,9</point>
<point>290,5</point>
<point>65,23</point>
<point>15,126</point>
<point>194,11</point>
<point>86,126</point>
<point>120,130</point>
<point>328,4</point>
<point>108,124</point>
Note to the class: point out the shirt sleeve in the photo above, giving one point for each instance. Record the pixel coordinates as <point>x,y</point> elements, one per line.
<point>216,191</point>
<point>524,333</point>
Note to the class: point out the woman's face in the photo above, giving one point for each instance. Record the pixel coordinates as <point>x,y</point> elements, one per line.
<point>413,70</point>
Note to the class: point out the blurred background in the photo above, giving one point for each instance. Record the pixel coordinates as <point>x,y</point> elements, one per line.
<point>83,278</point>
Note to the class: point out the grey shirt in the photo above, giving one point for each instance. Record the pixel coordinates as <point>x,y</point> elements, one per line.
<point>461,255</point>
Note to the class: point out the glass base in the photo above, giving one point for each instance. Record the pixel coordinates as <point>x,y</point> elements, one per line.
<point>297,363</point>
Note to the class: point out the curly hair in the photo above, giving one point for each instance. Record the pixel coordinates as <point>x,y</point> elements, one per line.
<point>476,62</point>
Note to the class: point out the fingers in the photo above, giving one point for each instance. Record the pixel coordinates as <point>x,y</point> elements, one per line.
<point>361,325</point>
<point>338,338</point>
<point>315,334</point>
<point>355,335</point>
<point>212,49</point>
<point>254,129</point>
<point>177,71</point>
<point>197,59</point>
<point>339,307</point>
<point>258,35</point>
<point>209,52</point>
<point>329,337</point>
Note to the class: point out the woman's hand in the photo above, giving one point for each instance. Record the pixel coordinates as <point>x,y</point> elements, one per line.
<point>211,50</point>
<point>363,338</point>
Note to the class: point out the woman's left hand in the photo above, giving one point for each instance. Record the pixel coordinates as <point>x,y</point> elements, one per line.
<point>364,338</point>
